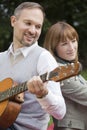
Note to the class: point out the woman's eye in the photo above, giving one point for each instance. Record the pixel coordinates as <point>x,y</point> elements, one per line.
<point>65,43</point>
<point>74,40</point>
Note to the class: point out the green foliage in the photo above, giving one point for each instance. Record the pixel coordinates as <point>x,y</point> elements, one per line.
<point>51,121</point>
<point>84,73</point>
<point>74,12</point>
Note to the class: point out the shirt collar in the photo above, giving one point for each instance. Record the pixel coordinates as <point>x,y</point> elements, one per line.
<point>24,50</point>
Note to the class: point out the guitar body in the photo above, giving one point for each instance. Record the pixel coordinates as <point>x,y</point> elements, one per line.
<point>8,109</point>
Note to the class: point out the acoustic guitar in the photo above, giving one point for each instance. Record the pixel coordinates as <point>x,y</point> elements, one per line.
<point>9,110</point>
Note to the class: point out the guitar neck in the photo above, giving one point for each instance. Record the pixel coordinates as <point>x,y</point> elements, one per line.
<point>17,89</point>
<point>58,74</point>
<point>13,91</point>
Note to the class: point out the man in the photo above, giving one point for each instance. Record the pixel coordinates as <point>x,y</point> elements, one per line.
<point>24,61</point>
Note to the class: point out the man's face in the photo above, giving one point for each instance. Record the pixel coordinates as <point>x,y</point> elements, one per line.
<point>27,27</point>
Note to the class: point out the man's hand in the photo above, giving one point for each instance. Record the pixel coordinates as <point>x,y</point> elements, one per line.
<point>37,87</point>
<point>20,97</point>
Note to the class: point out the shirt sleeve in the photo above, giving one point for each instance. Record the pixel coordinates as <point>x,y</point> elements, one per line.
<point>53,102</point>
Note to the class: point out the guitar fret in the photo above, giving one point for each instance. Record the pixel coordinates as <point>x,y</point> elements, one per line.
<point>13,91</point>
<point>4,95</point>
<point>18,89</point>
<point>53,74</point>
<point>43,77</point>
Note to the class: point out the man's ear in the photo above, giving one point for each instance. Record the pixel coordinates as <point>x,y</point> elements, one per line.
<point>13,20</point>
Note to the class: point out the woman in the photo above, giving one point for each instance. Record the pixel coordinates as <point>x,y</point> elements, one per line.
<point>62,41</point>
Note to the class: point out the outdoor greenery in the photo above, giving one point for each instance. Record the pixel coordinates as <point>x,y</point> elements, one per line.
<point>72,11</point>
<point>84,74</point>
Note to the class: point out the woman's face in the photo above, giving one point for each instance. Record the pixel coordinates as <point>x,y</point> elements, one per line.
<point>68,49</point>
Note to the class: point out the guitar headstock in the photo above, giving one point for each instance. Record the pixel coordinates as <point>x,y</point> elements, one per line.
<point>64,72</point>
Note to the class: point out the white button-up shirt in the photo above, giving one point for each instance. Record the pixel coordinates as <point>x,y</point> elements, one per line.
<point>35,111</point>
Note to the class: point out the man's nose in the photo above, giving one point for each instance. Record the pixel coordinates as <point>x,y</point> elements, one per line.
<point>32,29</point>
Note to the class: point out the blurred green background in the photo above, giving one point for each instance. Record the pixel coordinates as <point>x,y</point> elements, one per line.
<point>72,11</point>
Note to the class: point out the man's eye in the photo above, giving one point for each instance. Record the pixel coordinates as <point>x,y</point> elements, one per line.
<point>28,23</point>
<point>38,27</point>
